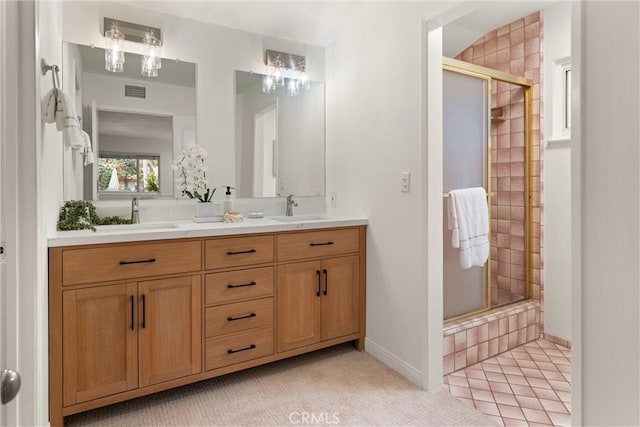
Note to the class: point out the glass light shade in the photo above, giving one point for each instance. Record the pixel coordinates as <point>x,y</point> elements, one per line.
<point>152,58</point>
<point>304,80</point>
<point>293,87</point>
<point>113,52</point>
<point>268,84</point>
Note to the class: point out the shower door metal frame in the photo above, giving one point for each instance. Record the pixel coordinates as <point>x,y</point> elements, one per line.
<point>491,75</point>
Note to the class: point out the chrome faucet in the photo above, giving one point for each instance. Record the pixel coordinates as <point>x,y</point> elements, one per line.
<point>290,205</point>
<point>135,215</point>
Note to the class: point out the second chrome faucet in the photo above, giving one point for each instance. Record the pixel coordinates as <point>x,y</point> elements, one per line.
<point>290,205</point>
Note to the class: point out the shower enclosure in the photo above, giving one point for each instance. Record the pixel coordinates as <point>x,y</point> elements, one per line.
<point>487,143</point>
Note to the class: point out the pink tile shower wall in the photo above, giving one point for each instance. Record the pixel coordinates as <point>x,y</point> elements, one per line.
<point>479,338</point>
<point>515,48</point>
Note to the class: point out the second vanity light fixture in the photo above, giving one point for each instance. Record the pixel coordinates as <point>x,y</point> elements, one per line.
<point>277,75</point>
<point>121,31</point>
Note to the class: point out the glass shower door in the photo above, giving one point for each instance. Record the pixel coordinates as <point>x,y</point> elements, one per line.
<point>465,151</point>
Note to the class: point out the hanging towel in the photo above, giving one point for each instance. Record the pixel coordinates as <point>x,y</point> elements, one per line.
<point>67,121</point>
<point>469,224</point>
<point>87,151</point>
<point>49,106</point>
<point>57,107</point>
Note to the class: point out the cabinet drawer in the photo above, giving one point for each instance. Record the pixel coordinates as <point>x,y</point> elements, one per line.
<point>239,317</point>
<point>312,244</point>
<point>238,285</point>
<point>130,261</point>
<point>239,347</point>
<point>238,251</point>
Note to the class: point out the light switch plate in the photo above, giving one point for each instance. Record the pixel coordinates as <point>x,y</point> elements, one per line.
<point>405,182</point>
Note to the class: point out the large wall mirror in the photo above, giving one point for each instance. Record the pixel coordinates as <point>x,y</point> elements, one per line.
<point>280,140</point>
<point>137,124</point>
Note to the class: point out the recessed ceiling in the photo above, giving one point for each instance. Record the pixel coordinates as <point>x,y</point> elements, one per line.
<point>135,126</point>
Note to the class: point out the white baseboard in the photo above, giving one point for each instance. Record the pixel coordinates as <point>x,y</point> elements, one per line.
<point>394,362</point>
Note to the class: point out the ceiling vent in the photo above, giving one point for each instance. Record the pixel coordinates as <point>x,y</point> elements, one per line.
<point>133,91</point>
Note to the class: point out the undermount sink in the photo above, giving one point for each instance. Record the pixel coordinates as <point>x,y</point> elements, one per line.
<point>133,227</point>
<point>299,218</point>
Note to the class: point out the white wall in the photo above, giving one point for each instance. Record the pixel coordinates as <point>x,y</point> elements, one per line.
<point>557,180</point>
<point>218,51</point>
<point>374,132</point>
<point>609,179</point>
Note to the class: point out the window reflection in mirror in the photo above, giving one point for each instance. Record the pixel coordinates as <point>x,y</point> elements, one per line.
<point>137,124</point>
<point>279,140</point>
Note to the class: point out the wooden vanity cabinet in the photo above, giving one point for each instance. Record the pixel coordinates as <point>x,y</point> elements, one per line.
<point>317,300</point>
<point>130,319</point>
<point>100,338</point>
<point>121,337</point>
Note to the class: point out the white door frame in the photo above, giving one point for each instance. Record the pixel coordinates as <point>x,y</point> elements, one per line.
<point>3,309</point>
<point>24,304</point>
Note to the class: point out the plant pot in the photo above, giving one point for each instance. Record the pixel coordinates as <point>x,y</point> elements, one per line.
<point>204,210</point>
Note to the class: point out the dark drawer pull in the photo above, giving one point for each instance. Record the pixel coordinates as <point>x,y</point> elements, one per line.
<point>326,279</point>
<point>320,244</point>
<point>142,261</point>
<point>230,286</point>
<point>132,324</point>
<point>231,319</point>
<point>318,274</point>
<point>251,347</point>
<point>250,251</point>
<point>144,312</point>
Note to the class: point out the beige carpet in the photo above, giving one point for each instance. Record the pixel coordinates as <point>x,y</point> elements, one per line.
<point>338,386</point>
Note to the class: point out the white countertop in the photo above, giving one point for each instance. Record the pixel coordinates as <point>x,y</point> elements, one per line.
<point>188,228</point>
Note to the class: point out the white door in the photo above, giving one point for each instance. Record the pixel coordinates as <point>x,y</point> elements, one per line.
<point>8,378</point>
<point>265,152</point>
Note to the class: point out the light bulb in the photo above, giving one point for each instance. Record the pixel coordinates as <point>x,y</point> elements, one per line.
<point>113,53</point>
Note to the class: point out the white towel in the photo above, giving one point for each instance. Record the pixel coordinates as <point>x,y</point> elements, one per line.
<point>469,225</point>
<point>49,106</point>
<point>87,151</point>
<point>58,108</point>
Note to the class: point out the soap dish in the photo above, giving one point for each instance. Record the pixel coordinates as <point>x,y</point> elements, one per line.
<point>217,218</point>
<point>255,215</point>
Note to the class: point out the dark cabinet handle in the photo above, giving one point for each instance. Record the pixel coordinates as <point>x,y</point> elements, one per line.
<point>251,347</point>
<point>318,273</point>
<point>326,279</point>
<point>250,251</point>
<point>132,324</point>
<point>231,319</point>
<point>142,261</point>
<point>230,286</point>
<point>320,244</point>
<point>144,312</point>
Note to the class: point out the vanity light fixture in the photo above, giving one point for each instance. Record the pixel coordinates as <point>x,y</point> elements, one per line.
<point>285,70</point>
<point>126,31</point>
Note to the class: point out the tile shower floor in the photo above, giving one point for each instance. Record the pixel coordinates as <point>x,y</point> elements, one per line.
<point>527,386</point>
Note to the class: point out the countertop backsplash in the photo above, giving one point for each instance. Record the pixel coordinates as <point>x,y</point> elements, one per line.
<point>155,210</point>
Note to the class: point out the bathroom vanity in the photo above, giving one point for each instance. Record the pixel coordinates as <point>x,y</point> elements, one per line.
<point>136,311</point>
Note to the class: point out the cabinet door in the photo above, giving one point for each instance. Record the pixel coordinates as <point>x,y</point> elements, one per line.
<point>170,314</point>
<point>100,342</point>
<point>340,297</point>
<point>298,305</point>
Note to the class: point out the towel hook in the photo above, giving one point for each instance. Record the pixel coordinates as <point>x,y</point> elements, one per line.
<point>45,68</point>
